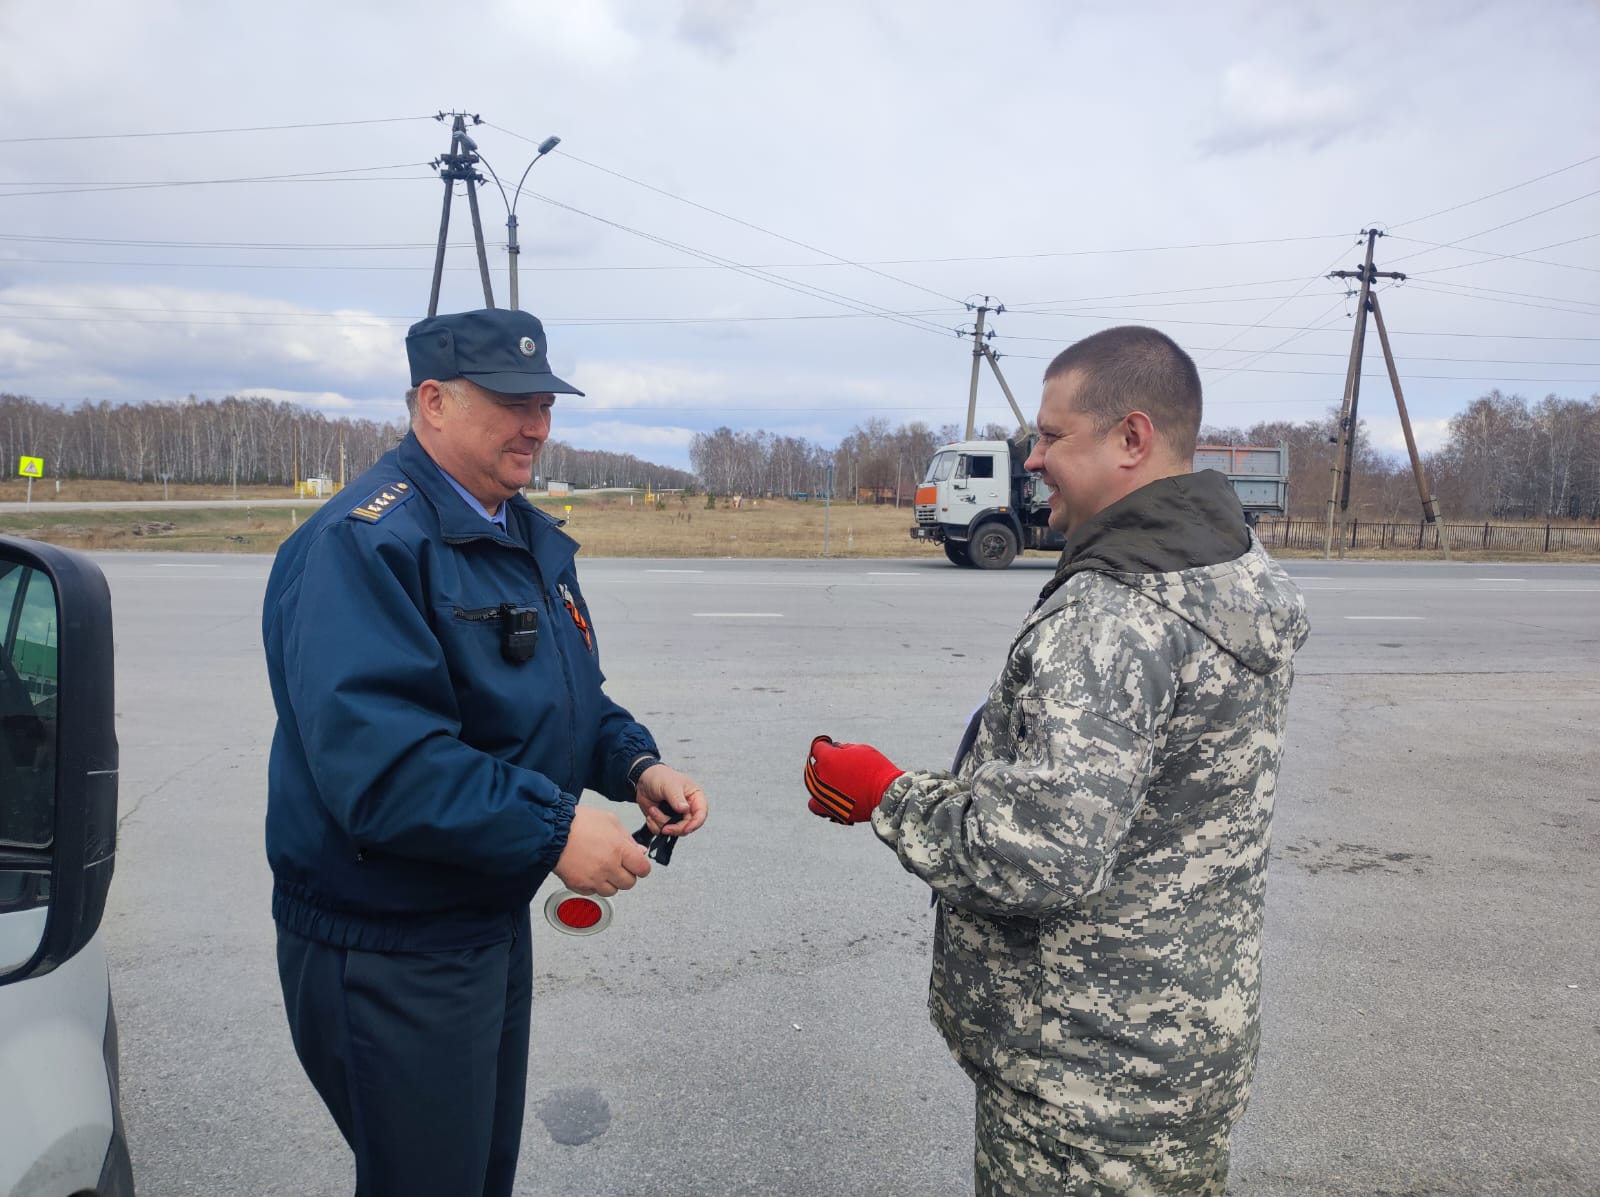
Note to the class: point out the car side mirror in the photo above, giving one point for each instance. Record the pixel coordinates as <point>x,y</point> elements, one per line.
<point>58,755</point>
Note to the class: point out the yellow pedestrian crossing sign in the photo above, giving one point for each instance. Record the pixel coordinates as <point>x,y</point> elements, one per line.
<point>31,467</point>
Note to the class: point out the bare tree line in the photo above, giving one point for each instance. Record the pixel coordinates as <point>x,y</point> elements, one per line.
<point>874,460</point>
<point>1504,458</point>
<point>248,441</point>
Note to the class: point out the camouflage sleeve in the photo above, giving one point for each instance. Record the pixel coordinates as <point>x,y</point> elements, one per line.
<point>1035,818</point>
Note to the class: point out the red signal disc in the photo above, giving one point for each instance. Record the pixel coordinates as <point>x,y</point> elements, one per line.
<point>576,914</point>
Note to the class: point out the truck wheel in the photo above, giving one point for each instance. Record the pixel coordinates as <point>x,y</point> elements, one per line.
<point>994,546</point>
<point>957,553</point>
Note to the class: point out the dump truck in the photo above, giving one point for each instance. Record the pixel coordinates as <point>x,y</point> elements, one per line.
<point>984,508</point>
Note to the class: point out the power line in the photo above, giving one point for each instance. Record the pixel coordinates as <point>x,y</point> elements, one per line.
<point>1309,282</point>
<point>385,120</point>
<point>766,276</point>
<point>342,266</point>
<point>1503,191</point>
<point>1517,303</point>
<point>1411,357</point>
<point>1435,283</point>
<point>262,245</point>
<point>1488,256</point>
<point>1496,228</point>
<point>313,176</point>
<point>1318,324</point>
<point>314,319</point>
<point>1044,303</point>
<point>745,223</point>
<point>1584,382</point>
<point>1477,336</point>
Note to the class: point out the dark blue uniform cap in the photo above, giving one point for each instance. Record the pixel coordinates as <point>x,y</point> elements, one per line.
<point>500,349</point>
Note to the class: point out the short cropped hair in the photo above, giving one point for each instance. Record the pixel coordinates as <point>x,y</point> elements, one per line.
<point>450,386</point>
<point>1133,368</point>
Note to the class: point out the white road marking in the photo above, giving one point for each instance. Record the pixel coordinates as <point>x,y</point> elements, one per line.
<point>184,565</point>
<point>1499,579</point>
<point>883,573</point>
<point>738,615</point>
<point>674,571</point>
<point>1391,617</point>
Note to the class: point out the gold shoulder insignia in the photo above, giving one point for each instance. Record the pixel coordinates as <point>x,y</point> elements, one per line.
<point>382,503</point>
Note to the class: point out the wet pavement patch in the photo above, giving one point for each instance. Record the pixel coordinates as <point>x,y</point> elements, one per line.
<point>574,1116</point>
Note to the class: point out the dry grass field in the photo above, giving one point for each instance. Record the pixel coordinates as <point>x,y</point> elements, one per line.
<point>606,525</point>
<point>100,490</point>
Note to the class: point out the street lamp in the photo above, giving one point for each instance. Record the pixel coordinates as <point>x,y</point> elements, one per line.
<point>512,248</point>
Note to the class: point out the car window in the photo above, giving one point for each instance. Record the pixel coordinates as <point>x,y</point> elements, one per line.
<point>28,678</point>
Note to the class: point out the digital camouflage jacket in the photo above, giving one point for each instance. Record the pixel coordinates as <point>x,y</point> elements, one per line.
<point>1100,857</point>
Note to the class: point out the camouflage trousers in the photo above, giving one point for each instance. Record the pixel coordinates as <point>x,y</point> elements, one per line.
<point>1017,1157</point>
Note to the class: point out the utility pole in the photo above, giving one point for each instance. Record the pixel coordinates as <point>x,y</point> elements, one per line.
<point>459,164</point>
<point>981,351</point>
<point>977,359</point>
<point>1344,456</point>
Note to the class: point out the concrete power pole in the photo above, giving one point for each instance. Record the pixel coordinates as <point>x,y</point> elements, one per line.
<point>977,360</point>
<point>1344,457</point>
<point>1339,497</point>
<point>981,352</point>
<point>459,164</point>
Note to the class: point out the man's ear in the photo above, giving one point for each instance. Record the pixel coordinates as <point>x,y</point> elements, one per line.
<point>431,399</point>
<point>1137,438</point>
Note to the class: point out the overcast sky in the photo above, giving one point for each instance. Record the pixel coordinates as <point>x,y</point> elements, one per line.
<point>1195,167</point>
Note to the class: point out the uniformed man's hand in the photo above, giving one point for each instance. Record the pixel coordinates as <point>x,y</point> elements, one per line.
<point>672,803</point>
<point>600,857</point>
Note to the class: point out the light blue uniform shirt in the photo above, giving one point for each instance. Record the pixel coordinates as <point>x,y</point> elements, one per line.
<point>498,517</point>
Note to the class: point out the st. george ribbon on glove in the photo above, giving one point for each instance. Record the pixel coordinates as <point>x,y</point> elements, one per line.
<point>847,781</point>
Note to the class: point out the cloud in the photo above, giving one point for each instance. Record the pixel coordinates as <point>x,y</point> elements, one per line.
<point>126,342</point>
<point>714,25</point>
<point>608,434</point>
<point>329,401</point>
<point>1263,105</point>
<point>1387,434</point>
<point>588,34</point>
<point>612,385</point>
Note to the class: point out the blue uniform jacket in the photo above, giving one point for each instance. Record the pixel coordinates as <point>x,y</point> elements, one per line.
<point>421,785</point>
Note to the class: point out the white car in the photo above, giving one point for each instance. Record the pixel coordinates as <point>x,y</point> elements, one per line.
<point>60,1121</point>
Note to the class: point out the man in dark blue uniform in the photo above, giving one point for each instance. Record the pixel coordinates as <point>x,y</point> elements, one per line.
<point>440,707</point>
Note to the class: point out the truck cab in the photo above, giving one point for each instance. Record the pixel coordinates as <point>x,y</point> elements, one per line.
<point>980,504</point>
<point>60,1117</point>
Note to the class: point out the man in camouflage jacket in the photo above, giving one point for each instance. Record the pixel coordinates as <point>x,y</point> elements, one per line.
<point>1100,853</point>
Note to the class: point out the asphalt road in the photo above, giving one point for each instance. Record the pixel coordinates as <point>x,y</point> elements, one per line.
<point>753,1022</point>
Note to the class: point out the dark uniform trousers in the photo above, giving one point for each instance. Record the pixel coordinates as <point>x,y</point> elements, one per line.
<point>422,1058</point>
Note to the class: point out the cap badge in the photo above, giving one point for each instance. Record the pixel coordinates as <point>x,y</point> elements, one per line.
<point>527,347</point>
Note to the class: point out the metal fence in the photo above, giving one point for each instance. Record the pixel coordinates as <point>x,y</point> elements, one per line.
<point>1485,537</point>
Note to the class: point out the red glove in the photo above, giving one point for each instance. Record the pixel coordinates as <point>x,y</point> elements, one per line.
<point>847,781</point>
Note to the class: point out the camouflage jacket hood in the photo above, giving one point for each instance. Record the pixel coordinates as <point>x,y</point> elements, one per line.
<point>1100,857</point>
<point>1179,524</point>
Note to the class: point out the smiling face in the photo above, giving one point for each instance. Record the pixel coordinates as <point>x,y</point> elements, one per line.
<point>1088,470</point>
<point>1076,462</point>
<point>486,441</point>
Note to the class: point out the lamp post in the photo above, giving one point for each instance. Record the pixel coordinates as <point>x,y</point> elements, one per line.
<point>512,248</point>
